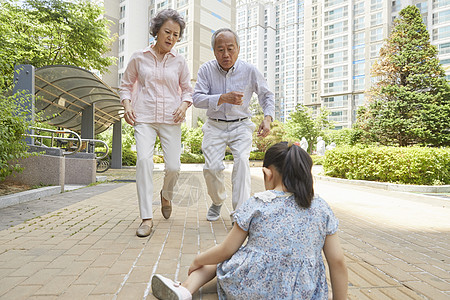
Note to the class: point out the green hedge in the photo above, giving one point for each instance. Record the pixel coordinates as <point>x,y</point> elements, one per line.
<point>317,159</point>
<point>411,165</point>
<point>128,157</point>
<point>192,158</point>
<point>253,156</point>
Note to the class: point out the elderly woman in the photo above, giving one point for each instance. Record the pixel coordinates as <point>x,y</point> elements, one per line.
<point>156,92</point>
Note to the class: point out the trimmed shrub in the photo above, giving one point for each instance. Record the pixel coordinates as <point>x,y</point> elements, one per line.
<point>128,157</point>
<point>257,155</point>
<point>317,159</point>
<point>253,156</point>
<point>192,158</point>
<point>229,157</point>
<point>158,159</point>
<point>406,165</point>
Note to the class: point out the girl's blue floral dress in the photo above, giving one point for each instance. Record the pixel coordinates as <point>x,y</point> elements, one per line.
<point>283,255</point>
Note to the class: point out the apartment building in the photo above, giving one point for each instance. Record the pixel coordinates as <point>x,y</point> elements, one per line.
<point>132,21</point>
<point>324,49</point>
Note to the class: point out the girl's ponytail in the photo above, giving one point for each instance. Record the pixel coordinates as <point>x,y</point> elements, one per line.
<point>294,164</point>
<point>297,177</point>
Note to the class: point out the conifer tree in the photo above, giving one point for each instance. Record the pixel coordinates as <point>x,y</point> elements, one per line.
<point>410,102</point>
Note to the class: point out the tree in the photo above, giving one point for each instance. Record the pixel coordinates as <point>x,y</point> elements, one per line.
<point>48,32</point>
<point>303,124</point>
<point>192,137</point>
<point>13,124</point>
<point>275,136</point>
<point>410,103</point>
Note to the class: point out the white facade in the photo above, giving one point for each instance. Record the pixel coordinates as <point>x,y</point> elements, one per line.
<point>324,49</point>
<point>202,18</point>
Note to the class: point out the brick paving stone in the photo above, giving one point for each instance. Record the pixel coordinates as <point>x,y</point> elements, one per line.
<point>92,242</point>
<point>396,272</point>
<point>21,292</point>
<point>105,260</point>
<point>133,291</point>
<point>120,267</point>
<point>91,276</point>
<point>140,274</point>
<point>42,276</point>
<point>434,270</point>
<point>439,283</point>
<point>108,285</point>
<point>40,297</point>
<point>9,283</point>
<point>75,268</point>
<point>56,285</point>
<point>29,269</point>
<point>425,289</point>
<point>77,292</point>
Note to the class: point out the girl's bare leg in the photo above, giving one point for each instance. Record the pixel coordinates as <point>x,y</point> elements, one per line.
<point>199,277</point>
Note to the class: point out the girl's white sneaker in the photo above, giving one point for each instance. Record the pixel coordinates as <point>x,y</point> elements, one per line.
<point>165,289</point>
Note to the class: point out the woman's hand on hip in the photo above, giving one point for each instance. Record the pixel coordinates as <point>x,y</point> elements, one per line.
<point>129,115</point>
<point>180,113</point>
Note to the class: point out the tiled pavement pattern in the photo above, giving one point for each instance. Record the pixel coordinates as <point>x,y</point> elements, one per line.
<point>396,244</point>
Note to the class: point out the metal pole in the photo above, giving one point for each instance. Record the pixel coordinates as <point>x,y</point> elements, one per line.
<point>24,85</point>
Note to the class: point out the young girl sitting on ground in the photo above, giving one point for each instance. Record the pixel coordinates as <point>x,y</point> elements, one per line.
<point>287,229</point>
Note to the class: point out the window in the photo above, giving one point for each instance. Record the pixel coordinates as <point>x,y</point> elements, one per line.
<point>122,12</point>
<point>376,34</point>
<point>359,39</point>
<point>121,61</point>
<point>314,73</point>
<point>314,85</point>
<point>121,28</point>
<point>335,72</point>
<point>444,48</point>
<point>337,57</point>
<point>376,4</point>
<point>441,17</point>
<point>441,33</point>
<point>358,54</point>
<point>358,83</point>
<point>338,116</point>
<point>336,101</point>
<point>359,23</point>
<point>336,28</point>
<point>376,19</point>
<point>332,2</point>
<point>440,3</point>
<point>335,43</point>
<point>358,8</point>
<point>358,99</point>
<point>314,97</point>
<point>336,86</point>
<point>121,45</point>
<point>336,14</point>
<point>375,50</point>
<point>358,69</point>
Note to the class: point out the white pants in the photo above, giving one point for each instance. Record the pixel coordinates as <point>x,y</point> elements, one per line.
<point>170,136</point>
<point>217,136</point>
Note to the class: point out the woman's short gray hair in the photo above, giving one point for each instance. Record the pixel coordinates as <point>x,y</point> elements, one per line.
<point>216,33</point>
<point>164,15</point>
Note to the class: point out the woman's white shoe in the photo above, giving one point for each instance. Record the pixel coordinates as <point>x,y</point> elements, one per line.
<point>166,289</point>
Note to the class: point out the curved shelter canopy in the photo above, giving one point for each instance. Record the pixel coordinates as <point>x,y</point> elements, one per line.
<point>63,92</point>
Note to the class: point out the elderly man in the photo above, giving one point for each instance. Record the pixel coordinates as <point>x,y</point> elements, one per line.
<point>225,87</point>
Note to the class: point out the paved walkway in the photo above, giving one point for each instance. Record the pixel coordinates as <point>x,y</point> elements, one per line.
<point>82,244</point>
